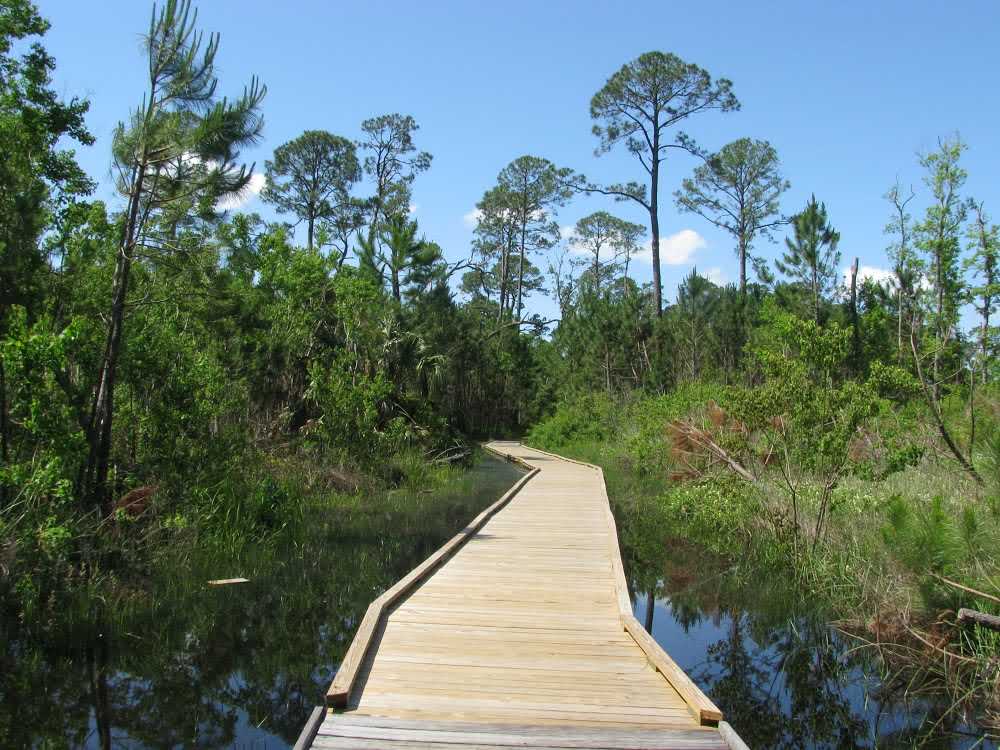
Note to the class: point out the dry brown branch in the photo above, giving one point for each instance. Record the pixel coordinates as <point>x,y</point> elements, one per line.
<point>967,589</point>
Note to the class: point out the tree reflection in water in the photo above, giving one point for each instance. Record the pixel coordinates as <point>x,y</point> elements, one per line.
<point>197,666</point>
<point>782,676</point>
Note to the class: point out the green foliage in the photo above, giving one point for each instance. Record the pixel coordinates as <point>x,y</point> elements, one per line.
<point>43,445</point>
<point>929,541</point>
<point>716,512</point>
<point>235,371</point>
<point>38,178</point>
<point>310,177</point>
<point>584,419</point>
<point>738,189</point>
<point>647,444</point>
<point>812,258</point>
<point>353,406</point>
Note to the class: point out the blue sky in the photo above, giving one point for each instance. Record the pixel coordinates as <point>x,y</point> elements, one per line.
<point>848,93</point>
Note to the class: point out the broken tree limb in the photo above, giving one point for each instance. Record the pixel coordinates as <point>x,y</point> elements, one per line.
<point>932,402</point>
<point>967,589</point>
<point>971,616</point>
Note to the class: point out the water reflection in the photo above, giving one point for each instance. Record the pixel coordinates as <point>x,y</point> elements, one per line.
<point>197,666</point>
<point>781,675</point>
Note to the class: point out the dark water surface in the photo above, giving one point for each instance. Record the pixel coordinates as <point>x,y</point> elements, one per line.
<point>243,665</point>
<point>783,677</point>
<point>197,666</point>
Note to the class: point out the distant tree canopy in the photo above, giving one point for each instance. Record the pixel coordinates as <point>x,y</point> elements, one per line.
<point>738,189</point>
<point>636,109</point>
<point>310,177</point>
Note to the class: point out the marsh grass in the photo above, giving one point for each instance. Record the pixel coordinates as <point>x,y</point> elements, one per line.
<point>875,571</point>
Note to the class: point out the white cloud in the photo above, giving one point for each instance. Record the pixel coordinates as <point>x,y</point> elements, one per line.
<point>251,191</point>
<point>716,275</point>
<point>871,273</point>
<point>472,218</point>
<point>676,249</point>
<point>412,208</point>
<point>568,235</point>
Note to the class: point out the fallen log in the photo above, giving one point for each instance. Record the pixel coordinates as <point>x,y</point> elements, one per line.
<point>971,616</point>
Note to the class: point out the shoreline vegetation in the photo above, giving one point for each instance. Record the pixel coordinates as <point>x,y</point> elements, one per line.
<point>900,553</point>
<point>184,383</point>
<point>149,650</point>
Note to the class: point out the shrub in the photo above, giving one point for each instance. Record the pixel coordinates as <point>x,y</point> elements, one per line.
<point>585,418</point>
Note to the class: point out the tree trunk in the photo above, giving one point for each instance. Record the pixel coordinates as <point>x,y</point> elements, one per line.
<point>95,483</point>
<point>939,276</point>
<point>607,367</point>
<point>815,291</point>
<point>899,319</point>
<point>856,331</point>
<point>743,267</point>
<point>102,414</point>
<point>520,284</point>
<point>654,223</point>
<point>4,427</point>
<point>520,272</point>
<point>309,244</point>
<point>983,335</point>
<point>502,282</point>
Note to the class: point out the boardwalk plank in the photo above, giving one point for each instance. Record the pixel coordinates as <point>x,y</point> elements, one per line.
<point>520,636</point>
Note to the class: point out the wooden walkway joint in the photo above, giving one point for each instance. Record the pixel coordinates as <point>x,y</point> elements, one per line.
<point>517,633</point>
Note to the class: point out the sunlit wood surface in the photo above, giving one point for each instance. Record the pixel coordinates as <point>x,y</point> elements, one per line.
<point>518,639</point>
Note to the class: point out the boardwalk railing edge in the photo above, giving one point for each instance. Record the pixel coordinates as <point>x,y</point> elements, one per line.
<point>311,729</point>
<point>343,682</point>
<point>700,705</point>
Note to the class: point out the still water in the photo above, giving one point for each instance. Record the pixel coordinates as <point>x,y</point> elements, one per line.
<point>783,677</point>
<point>242,666</point>
<point>192,665</point>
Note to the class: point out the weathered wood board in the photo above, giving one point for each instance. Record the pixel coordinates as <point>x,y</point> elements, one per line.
<point>522,635</point>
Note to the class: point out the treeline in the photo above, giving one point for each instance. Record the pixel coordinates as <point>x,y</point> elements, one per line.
<point>161,340</point>
<point>167,342</point>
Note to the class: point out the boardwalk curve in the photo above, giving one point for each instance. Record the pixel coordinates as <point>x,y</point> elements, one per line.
<point>517,633</point>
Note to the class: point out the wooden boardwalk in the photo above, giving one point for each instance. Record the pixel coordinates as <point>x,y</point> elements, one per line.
<point>517,633</point>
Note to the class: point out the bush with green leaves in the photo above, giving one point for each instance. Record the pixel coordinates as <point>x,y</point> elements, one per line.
<point>585,418</point>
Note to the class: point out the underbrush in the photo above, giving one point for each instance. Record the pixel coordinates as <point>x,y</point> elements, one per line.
<point>57,564</point>
<point>902,549</point>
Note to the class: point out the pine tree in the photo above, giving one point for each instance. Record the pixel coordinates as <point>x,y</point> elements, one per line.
<point>182,141</point>
<point>938,237</point>
<point>984,242</point>
<point>812,256</point>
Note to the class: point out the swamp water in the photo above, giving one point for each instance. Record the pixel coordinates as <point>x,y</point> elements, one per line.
<point>243,665</point>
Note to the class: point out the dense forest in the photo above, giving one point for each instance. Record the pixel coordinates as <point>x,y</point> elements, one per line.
<point>176,374</point>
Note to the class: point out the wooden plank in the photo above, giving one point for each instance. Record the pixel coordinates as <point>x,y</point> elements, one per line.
<point>527,730</point>
<point>732,740</point>
<point>513,735</point>
<point>702,708</point>
<point>343,681</point>
<point>357,743</point>
<point>514,622</point>
<point>311,728</point>
<point>451,709</point>
<point>700,705</point>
